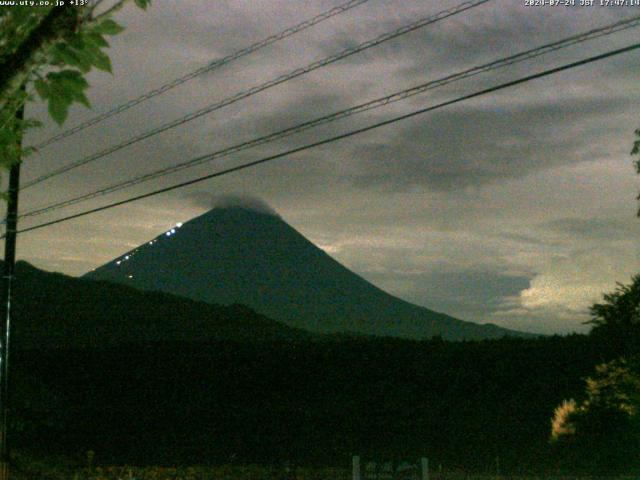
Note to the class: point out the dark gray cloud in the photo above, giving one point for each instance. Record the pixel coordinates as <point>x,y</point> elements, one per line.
<point>595,228</point>
<point>491,34</point>
<point>468,146</point>
<point>469,294</point>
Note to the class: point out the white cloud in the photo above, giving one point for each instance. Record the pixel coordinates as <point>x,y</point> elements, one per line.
<point>580,279</point>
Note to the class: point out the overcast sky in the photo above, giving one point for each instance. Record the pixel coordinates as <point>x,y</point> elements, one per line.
<point>517,207</point>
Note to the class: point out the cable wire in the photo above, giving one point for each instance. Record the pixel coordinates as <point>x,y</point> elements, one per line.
<point>379,102</point>
<point>342,136</point>
<point>262,87</point>
<point>207,68</point>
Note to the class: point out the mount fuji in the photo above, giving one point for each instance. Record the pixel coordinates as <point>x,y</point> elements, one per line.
<point>240,255</point>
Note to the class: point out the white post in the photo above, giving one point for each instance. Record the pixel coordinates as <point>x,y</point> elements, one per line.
<point>356,467</point>
<point>425,468</point>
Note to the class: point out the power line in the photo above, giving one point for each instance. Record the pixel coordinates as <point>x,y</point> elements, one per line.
<point>207,68</point>
<point>351,133</point>
<point>264,86</point>
<point>379,102</point>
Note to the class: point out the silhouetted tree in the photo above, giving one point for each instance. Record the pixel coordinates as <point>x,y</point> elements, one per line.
<point>602,433</point>
<point>616,320</point>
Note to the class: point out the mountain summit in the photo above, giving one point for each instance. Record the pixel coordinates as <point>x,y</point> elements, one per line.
<point>238,255</point>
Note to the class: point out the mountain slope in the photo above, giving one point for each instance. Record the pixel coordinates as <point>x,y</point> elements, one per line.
<point>52,310</point>
<point>237,255</point>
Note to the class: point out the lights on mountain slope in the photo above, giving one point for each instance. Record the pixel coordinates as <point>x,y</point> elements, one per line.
<point>168,233</point>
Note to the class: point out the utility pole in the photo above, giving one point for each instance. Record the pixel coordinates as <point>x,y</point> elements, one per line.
<point>7,293</point>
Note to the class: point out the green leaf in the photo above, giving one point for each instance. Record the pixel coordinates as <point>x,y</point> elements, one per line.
<point>42,88</point>
<point>84,60</point>
<point>7,137</point>
<point>58,109</point>
<point>69,85</point>
<point>96,57</point>
<point>143,4</point>
<point>71,77</point>
<point>60,92</point>
<point>107,27</point>
<point>95,39</point>
<point>82,98</point>
<point>65,54</point>
<point>102,61</point>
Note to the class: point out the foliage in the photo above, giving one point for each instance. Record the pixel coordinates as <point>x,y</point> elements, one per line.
<point>602,433</point>
<point>563,424</point>
<point>617,319</point>
<point>614,387</point>
<point>52,48</point>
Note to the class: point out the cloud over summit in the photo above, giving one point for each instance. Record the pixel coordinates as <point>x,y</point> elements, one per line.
<point>246,202</point>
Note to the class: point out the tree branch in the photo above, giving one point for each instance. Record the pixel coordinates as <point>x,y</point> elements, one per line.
<point>15,70</point>
<point>113,9</point>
